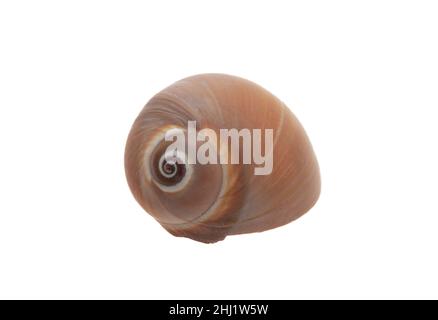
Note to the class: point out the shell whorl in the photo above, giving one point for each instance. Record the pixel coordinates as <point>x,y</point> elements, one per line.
<point>207,202</point>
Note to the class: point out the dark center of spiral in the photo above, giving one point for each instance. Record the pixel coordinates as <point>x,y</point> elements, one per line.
<point>169,168</point>
<point>170,172</point>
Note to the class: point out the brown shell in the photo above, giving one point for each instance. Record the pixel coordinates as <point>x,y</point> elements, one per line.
<point>227,199</point>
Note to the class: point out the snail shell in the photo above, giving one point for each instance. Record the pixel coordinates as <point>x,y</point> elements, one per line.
<point>207,202</point>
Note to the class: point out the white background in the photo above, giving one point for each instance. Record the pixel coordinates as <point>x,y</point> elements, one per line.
<point>362,76</point>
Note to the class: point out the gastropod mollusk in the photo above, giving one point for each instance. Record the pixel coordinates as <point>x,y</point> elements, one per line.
<point>215,155</point>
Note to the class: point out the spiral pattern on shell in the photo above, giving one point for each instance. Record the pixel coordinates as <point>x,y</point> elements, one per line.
<point>207,202</point>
